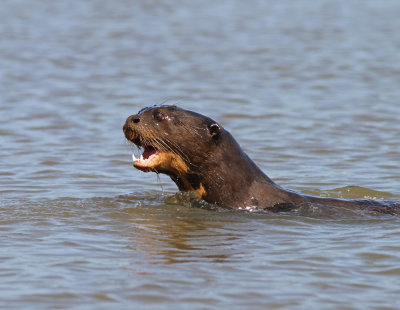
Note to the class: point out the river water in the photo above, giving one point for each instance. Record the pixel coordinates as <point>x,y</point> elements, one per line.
<point>310,89</point>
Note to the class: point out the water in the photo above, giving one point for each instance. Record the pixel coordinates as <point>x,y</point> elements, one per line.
<point>310,89</point>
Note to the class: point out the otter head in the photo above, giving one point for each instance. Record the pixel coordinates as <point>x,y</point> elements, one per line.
<point>175,142</point>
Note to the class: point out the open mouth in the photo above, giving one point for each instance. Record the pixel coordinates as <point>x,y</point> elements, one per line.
<point>160,159</point>
<point>148,160</point>
<point>150,157</point>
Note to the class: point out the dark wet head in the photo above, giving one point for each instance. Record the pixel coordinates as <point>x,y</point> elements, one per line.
<point>175,141</point>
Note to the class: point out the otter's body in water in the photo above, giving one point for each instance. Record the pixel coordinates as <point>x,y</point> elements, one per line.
<point>201,156</point>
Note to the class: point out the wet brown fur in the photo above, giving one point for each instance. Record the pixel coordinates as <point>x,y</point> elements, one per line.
<point>200,155</point>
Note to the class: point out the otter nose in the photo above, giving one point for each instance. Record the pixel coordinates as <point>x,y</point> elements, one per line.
<point>135,119</point>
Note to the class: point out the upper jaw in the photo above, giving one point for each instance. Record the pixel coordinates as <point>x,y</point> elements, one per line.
<point>132,136</point>
<point>148,160</point>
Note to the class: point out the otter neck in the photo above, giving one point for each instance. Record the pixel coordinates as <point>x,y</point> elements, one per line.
<point>230,178</point>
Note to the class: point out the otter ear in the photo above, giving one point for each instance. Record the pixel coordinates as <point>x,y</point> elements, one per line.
<point>215,131</point>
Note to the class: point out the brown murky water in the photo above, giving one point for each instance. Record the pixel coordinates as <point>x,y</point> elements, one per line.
<point>311,91</point>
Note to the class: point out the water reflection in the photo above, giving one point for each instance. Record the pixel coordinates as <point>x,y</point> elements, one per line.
<point>169,233</point>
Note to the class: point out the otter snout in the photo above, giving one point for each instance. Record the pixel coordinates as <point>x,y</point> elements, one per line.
<point>128,127</point>
<point>134,118</point>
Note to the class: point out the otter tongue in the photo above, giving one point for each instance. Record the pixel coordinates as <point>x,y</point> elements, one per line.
<point>148,151</point>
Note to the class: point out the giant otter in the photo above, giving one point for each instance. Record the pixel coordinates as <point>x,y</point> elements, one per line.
<point>201,156</point>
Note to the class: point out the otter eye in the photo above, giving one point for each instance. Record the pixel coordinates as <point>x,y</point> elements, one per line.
<point>158,116</point>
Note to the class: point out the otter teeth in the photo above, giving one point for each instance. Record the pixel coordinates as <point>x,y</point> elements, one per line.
<point>140,159</point>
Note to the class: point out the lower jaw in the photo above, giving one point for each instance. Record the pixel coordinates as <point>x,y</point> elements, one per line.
<point>143,168</point>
